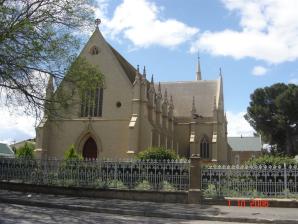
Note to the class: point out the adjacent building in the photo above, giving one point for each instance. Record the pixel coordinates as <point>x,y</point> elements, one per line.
<point>244,148</point>
<point>6,151</point>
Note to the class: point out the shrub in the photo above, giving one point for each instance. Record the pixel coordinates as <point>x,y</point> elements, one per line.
<point>143,186</point>
<point>99,184</point>
<point>167,186</point>
<point>157,153</point>
<point>26,151</point>
<point>118,184</point>
<point>210,192</point>
<point>72,154</point>
<point>70,166</point>
<point>272,160</point>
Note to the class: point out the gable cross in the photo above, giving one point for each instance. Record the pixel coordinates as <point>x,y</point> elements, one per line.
<point>97,22</point>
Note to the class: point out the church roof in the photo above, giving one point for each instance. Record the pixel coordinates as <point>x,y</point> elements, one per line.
<point>129,70</point>
<point>204,92</point>
<point>245,143</point>
<point>5,151</point>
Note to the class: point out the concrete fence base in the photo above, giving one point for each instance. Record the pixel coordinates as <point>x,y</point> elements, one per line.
<point>153,196</point>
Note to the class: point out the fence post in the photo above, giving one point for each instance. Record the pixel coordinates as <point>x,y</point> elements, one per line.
<point>194,193</point>
<point>285,180</point>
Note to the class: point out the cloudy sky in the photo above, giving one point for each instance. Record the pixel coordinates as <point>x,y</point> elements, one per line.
<point>255,42</point>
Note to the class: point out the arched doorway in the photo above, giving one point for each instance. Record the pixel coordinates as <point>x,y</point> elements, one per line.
<point>90,149</point>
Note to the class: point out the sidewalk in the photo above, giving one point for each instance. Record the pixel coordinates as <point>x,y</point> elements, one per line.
<point>151,209</point>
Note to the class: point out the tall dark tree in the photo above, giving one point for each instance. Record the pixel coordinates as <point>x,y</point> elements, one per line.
<point>37,41</point>
<point>273,113</point>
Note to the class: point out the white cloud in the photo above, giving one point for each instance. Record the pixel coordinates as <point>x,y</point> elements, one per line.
<point>140,22</point>
<point>259,71</point>
<point>269,32</point>
<point>294,81</point>
<point>237,125</point>
<point>14,125</point>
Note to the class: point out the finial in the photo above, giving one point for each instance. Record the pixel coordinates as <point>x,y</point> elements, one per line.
<point>171,100</point>
<point>151,88</point>
<point>166,94</point>
<point>144,72</point>
<point>152,82</point>
<point>198,72</point>
<point>137,78</point>
<point>97,22</point>
<point>159,88</point>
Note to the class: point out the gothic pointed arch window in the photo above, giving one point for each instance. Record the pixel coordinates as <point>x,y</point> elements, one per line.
<point>94,50</point>
<point>204,148</point>
<point>91,105</point>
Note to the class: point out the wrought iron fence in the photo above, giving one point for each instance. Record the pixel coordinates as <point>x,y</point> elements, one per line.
<point>251,181</point>
<point>121,174</point>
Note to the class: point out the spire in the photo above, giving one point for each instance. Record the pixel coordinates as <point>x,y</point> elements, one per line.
<point>137,77</point>
<point>151,86</point>
<point>220,74</point>
<point>159,95</point>
<point>198,72</point>
<point>193,110</point>
<point>171,102</point>
<point>165,96</point>
<point>159,88</point>
<point>144,72</point>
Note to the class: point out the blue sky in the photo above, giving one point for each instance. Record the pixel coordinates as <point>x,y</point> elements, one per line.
<point>255,42</point>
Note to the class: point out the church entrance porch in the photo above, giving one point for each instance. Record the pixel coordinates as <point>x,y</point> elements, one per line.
<point>90,149</point>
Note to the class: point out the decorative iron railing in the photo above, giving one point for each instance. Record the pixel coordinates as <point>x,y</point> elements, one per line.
<point>251,181</point>
<point>121,174</point>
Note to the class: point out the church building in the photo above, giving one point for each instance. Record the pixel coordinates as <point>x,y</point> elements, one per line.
<point>131,113</point>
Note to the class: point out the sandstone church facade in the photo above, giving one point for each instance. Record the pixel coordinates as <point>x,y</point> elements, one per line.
<point>131,114</point>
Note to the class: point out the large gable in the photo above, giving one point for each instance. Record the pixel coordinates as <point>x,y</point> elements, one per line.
<point>98,40</point>
<point>183,92</point>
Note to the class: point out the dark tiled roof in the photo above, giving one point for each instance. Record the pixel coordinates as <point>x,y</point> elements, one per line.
<point>5,150</point>
<point>245,143</point>
<point>127,67</point>
<point>204,92</point>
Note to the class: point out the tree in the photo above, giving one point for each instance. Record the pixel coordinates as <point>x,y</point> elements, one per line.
<point>273,113</point>
<point>157,153</point>
<point>26,151</point>
<point>72,154</point>
<point>37,41</point>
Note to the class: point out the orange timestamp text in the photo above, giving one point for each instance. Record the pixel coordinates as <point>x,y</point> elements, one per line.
<point>253,203</point>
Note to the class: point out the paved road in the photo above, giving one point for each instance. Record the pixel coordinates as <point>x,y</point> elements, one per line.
<point>11,214</point>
